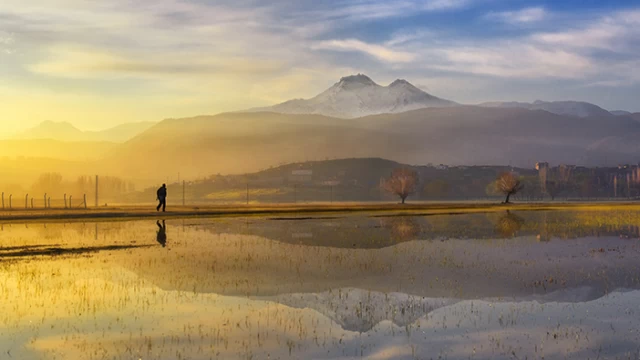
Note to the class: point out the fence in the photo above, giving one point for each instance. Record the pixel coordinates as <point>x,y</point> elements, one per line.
<point>27,201</point>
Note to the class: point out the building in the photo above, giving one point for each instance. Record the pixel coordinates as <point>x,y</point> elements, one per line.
<point>301,176</point>
<point>543,174</point>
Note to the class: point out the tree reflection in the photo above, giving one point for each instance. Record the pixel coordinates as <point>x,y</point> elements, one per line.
<point>402,228</point>
<point>508,225</point>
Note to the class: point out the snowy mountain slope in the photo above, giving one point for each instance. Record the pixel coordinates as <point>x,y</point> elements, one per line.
<point>570,108</point>
<point>358,95</point>
<point>362,310</point>
<point>620,112</point>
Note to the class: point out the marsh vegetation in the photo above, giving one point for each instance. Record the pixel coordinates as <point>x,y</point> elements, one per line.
<point>502,285</point>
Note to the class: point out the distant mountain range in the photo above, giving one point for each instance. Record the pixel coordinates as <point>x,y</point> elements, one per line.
<point>403,124</point>
<point>358,95</point>
<point>64,131</point>
<point>459,135</point>
<point>569,108</point>
<point>55,149</point>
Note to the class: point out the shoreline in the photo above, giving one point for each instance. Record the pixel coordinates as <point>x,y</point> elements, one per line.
<point>377,209</point>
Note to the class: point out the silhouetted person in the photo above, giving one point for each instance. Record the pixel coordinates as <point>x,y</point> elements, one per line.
<point>162,197</point>
<point>162,233</point>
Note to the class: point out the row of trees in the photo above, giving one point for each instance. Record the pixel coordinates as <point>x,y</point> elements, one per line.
<point>404,181</point>
<point>55,185</point>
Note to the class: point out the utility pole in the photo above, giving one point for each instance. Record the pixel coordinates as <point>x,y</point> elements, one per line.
<point>96,190</point>
<point>247,193</point>
<point>183,184</point>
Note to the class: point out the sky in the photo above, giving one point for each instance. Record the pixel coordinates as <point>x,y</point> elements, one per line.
<point>97,64</point>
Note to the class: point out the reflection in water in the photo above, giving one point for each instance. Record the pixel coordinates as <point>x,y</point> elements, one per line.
<point>161,235</point>
<point>508,225</point>
<point>47,250</point>
<point>359,287</point>
<point>402,228</point>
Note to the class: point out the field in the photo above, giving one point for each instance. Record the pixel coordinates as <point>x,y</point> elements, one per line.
<point>148,210</point>
<point>379,281</point>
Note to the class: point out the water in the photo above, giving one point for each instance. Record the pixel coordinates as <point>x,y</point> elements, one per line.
<point>528,285</point>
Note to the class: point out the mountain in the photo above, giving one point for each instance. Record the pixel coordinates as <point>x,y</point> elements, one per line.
<point>357,96</point>
<point>361,310</point>
<point>461,135</point>
<point>120,133</point>
<point>570,108</point>
<point>55,149</point>
<point>620,112</point>
<point>64,131</point>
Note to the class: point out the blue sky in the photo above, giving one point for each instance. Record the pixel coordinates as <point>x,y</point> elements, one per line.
<point>97,64</point>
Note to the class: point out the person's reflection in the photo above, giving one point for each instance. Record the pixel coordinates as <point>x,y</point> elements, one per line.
<point>162,233</point>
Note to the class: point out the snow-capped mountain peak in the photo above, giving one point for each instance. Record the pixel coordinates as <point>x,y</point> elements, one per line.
<point>401,82</point>
<point>355,81</point>
<point>358,95</point>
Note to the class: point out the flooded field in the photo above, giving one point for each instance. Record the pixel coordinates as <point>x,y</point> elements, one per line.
<point>525,285</point>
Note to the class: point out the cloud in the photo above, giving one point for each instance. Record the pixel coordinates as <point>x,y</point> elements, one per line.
<point>614,32</point>
<point>444,4</point>
<point>259,52</point>
<point>88,62</point>
<point>6,43</point>
<point>523,16</point>
<point>350,10</point>
<point>378,51</point>
<point>515,60</point>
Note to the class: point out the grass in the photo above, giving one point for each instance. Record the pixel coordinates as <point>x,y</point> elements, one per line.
<point>223,289</point>
<point>385,209</point>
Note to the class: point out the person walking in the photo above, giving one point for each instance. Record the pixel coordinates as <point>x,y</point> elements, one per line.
<point>162,198</point>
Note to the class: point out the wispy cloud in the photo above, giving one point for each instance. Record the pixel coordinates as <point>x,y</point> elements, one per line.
<point>515,60</point>
<point>618,31</point>
<point>229,54</point>
<point>6,42</point>
<point>378,51</point>
<point>379,9</point>
<point>522,16</point>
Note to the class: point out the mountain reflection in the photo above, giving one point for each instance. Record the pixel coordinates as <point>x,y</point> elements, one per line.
<point>325,286</point>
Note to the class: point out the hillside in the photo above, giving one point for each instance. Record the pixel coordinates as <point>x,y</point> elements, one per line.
<point>340,180</point>
<point>570,108</point>
<point>461,135</point>
<point>55,149</point>
<point>64,131</point>
<point>244,142</point>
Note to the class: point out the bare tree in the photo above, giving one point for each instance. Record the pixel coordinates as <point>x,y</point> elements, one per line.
<point>403,182</point>
<point>508,184</point>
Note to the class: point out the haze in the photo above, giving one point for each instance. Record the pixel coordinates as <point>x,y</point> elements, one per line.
<point>100,64</point>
